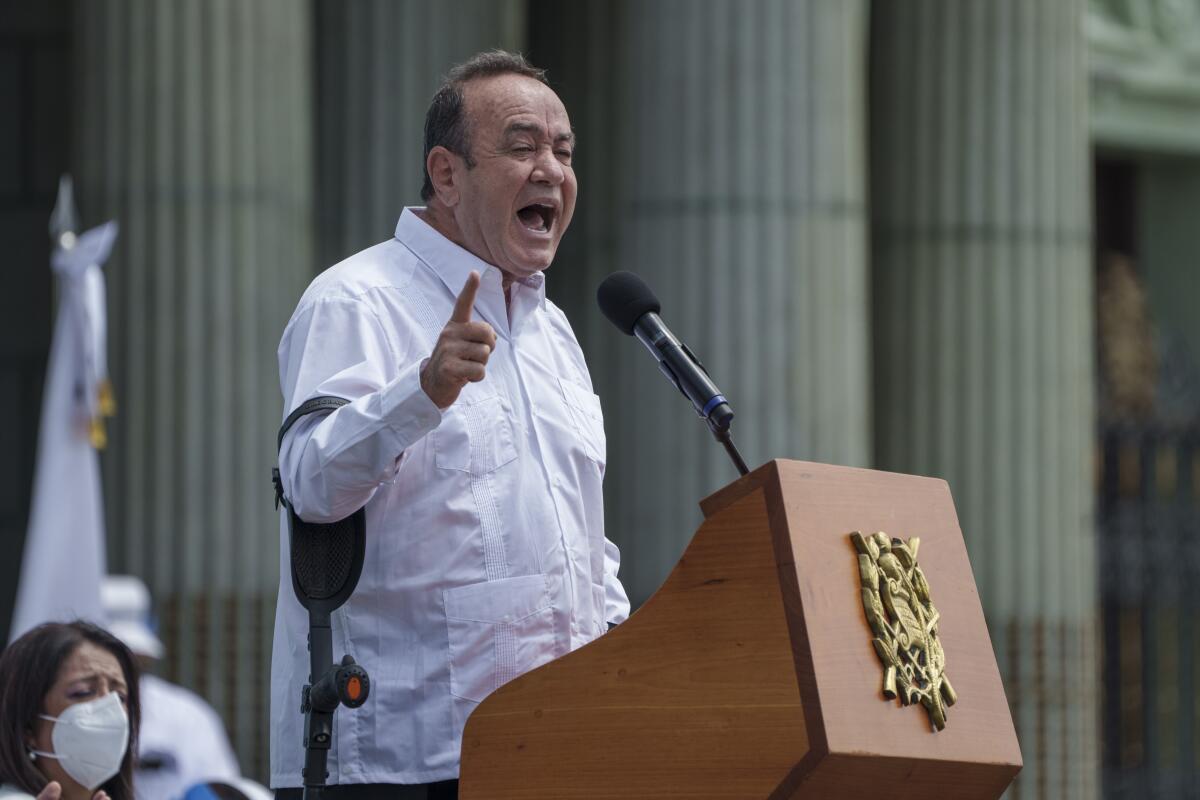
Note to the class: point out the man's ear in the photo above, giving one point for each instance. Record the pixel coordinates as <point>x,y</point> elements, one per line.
<point>440,163</point>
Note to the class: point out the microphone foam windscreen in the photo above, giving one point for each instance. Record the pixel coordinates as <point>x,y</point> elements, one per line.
<point>624,298</point>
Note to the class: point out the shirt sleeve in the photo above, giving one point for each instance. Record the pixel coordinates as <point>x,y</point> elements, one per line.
<point>331,464</point>
<point>616,602</point>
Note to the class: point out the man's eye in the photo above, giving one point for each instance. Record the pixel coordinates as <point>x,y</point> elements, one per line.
<point>522,148</point>
<point>565,155</point>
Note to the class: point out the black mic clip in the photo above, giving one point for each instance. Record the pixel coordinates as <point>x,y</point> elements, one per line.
<point>718,414</point>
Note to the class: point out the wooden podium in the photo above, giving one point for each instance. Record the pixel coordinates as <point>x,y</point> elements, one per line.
<point>751,672</point>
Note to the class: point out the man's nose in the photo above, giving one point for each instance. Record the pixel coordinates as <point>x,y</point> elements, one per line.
<point>547,169</point>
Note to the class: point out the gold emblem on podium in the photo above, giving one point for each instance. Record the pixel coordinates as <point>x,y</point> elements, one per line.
<point>895,598</point>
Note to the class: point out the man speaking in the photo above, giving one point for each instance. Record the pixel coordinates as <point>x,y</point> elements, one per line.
<point>473,439</point>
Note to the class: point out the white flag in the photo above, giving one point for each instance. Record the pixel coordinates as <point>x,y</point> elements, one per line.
<point>64,548</point>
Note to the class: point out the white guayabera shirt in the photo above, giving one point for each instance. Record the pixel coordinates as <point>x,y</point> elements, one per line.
<point>486,553</point>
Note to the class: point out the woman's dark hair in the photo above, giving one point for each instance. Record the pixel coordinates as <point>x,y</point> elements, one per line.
<point>28,669</point>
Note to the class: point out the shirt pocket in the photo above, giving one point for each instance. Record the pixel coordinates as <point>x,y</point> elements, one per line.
<point>475,434</point>
<point>497,630</point>
<point>583,408</point>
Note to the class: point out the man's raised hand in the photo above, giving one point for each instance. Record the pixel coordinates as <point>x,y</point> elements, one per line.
<point>461,352</point>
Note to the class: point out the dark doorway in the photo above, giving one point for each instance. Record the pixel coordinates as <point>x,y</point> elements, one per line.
<point>1148,495</point>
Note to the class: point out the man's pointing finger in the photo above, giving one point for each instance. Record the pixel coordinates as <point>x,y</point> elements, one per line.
<point>466,299</point>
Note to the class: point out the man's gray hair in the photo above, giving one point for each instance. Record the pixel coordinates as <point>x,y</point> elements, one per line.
<point>445,121</point>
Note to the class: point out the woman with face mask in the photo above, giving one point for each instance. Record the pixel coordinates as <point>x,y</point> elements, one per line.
<point>68,715</point>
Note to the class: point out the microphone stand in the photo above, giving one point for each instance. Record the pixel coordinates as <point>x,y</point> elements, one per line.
<point>719,419</point>
<point>723,436</point>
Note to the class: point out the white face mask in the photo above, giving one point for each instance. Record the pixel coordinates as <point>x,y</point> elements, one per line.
<point>90,739</point>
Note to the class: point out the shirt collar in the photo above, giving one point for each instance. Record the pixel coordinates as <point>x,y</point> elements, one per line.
<point>453,263</point>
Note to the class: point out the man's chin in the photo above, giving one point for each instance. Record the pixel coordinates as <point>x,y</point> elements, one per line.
<point>529,263</point>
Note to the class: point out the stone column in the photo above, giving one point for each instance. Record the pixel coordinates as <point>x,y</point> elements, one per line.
<point>194,123</point>
<point>380,63</point>
<point>982,288</point>
<point>721,156</point>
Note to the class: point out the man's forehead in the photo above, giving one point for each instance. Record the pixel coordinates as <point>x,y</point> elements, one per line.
<point>513,103</point>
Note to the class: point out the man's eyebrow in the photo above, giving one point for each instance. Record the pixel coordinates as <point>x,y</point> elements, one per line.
<point>532,127</point>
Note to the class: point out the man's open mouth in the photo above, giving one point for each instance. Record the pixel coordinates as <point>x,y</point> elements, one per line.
<point>537,217</point>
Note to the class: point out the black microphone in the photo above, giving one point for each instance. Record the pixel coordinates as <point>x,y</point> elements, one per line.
<point>631,305</point>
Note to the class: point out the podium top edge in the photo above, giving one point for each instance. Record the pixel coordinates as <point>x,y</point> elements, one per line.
<point>770,472</point>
